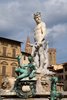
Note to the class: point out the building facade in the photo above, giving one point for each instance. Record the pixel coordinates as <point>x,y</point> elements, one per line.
<point>9,49</point>
<point>65,75</point>
<point>52,56</point>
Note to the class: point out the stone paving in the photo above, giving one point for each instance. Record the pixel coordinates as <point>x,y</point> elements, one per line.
<point>3,92</point>
<point>26,99</point>
<point>31,99</point>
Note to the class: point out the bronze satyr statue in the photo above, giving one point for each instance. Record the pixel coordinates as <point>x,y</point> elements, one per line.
<point>23,72</point>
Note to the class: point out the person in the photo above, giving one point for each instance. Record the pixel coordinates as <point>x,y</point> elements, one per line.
<point>24,71</point>
<point>40,29</point>
<point>39,38</point>
<point>54,94</point>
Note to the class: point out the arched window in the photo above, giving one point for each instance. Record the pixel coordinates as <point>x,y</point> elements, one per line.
<point>4,63</point>
<point>4,70</point>
<point>4,51</point>
<point>14,65</point>
<point>14,53</point>
<point>13,71</point>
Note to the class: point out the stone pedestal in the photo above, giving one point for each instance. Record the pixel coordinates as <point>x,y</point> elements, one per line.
<point>43,84</point>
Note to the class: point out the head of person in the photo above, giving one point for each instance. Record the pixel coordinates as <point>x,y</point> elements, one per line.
<point>37,17</point>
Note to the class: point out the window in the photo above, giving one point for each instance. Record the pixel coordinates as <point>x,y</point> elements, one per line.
<point>65,68</point>
<point>65,77</point>
<point>13,71</point>
<point>24,57</point>
<point>4,51</point>
<point>14,53</point>
<point>60,77</point>
<point>50,58</point>
<point>3,70</point>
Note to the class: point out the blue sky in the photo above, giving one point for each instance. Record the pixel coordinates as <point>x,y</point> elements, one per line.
<point>16,22</point>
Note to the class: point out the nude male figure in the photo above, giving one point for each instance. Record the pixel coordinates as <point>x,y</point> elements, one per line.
<point>40,29</point>
<point>39,38</point>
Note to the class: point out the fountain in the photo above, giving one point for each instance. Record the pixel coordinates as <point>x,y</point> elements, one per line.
<point>40,55</point>
<point>34,78</point>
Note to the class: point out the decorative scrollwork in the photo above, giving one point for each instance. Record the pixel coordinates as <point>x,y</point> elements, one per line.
<point>26,94</point>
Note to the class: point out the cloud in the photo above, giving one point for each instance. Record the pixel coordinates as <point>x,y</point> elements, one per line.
<point>55,11</point>
<point>16,20</point>
<point>58,30</point>
<point>16,17</point>
<point>57,39</point>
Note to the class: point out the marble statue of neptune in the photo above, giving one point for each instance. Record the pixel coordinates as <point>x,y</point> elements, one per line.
<point>40,46</point>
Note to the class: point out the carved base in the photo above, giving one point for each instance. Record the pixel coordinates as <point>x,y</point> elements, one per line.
<point>43,84</point>
<point>26,88</point>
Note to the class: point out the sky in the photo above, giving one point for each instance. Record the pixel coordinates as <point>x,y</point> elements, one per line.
<point>16,22</point>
